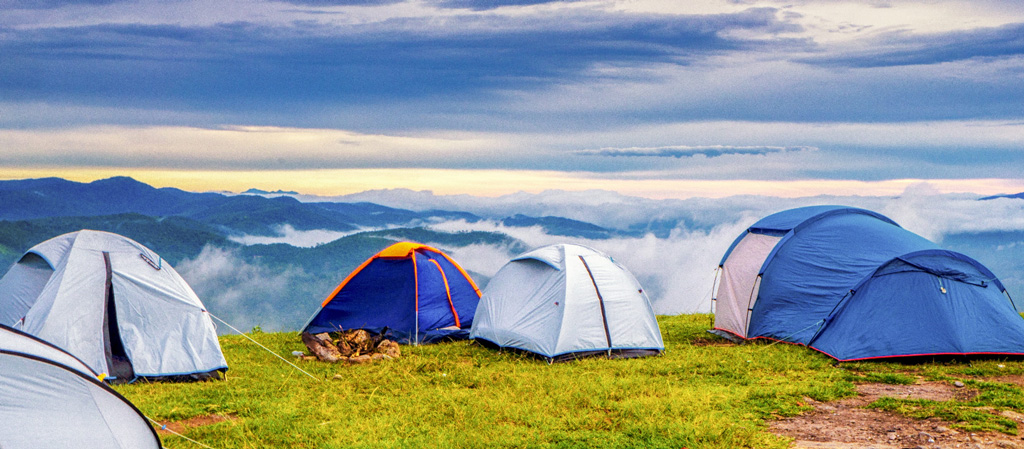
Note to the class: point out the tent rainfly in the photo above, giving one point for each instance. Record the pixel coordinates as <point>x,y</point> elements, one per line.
<point>562,302</point>
<point>50,399</point>
<point>414,292</point>
<point>854,285</point>
<point>114,304</point>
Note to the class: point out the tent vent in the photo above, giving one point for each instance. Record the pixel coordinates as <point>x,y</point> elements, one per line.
<point>156,265</point>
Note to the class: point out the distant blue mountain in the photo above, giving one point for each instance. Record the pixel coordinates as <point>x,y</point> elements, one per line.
<point>264,192</point>
<point>247,214</point>
<point>1017,196</point>
<point>560,226</point>
<point>252,214</point>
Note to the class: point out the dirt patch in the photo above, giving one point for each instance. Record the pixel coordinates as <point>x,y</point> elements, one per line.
<point>932,391</point>
<point>197,421</point>
<point>1015,379</point>
<point>711,341</point>
<point>847,424</point>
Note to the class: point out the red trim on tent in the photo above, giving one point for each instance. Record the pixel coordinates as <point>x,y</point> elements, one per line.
<point>729,332</point>
<point>464,274</point>
<point>934,354</point>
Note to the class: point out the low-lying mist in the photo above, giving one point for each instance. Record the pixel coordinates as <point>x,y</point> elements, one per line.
<point>675,261</point>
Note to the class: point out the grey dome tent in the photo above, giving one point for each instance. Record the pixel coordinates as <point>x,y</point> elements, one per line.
<point>115,305</point>
<point>50,399</point>
<point>562,302</point>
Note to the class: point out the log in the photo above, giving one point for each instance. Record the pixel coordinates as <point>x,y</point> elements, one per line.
<point>389,348</point>
<point>321,346</point>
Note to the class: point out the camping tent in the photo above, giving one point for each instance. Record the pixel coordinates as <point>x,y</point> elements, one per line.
<point>561,302</point>
<point>50,399</point>
<point>418,293</point>
<point>930,302</point>
<point>114,304</point>
<point>851,283</point>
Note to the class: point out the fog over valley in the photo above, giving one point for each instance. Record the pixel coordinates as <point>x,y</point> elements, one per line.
<point>673,247</point>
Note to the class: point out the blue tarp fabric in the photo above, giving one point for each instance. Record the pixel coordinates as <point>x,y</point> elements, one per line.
<point>387,291</point>
<point>854,285</point>
<point>925,303</point>
<point>814,266</point>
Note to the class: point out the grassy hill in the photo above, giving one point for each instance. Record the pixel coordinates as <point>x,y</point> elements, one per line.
<point>702,393</point>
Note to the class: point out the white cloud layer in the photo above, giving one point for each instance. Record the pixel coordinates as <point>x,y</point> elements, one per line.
<point>290,236</point>
<point>685,239</point>
<point>239,292</point>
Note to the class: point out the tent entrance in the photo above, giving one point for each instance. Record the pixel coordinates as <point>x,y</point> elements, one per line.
<point>118,364</point>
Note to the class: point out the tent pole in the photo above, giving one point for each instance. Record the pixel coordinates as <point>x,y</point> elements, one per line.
<point>416,281</point>
<point>750,304</point>
<point>600,300</point>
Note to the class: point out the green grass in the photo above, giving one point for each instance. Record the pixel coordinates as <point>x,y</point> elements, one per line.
<point>463,395</point>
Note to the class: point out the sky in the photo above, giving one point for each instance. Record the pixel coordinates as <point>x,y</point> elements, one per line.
<point>658,99</point>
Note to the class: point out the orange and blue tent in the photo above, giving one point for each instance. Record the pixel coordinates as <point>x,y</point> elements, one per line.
<point>413,292</point>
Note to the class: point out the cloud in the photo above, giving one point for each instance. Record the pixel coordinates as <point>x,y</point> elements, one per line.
<point>51,4</point>
<point>483,5</point>
<point>226,147</point>
<point>681,151</point>
<point>925,211</point>
<point>677,267</point>
<point>900,48</point>
<point>254,66</point>
<point>243,294</point>
<point>321,3</point>
<point>677,271</point>
<point>290,236</point>
<point>672,246</point>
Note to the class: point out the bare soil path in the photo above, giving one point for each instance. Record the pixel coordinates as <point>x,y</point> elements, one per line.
<point>846,424</point>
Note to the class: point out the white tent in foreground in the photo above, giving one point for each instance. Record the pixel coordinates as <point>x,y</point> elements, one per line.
<point>115,305</point>
<point>50,399</point>
<point>562,302</point>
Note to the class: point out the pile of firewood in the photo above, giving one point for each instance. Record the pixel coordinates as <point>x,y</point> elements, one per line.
<point>352,346</point>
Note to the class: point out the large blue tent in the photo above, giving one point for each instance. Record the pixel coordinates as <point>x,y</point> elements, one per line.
<point>853,284</point>
<point>416,292</point>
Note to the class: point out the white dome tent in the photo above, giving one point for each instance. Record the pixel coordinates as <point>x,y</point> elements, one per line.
<point>50,399</point>
<point>115,305</point>
<point>563,302</point>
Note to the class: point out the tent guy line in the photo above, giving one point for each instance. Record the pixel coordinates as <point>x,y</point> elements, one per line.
<point>264,347</point>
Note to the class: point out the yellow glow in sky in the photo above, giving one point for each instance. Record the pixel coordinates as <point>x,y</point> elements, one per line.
<point>501,182</point>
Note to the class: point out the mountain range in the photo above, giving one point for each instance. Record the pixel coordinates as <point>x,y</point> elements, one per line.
<point>180,225</point>
<point>252,214</point>
<point>207,238</point>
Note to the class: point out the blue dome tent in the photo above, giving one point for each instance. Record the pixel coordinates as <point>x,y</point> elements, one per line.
<point>417,292</point>
<point>930,302</point>
<point>853,284</point>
